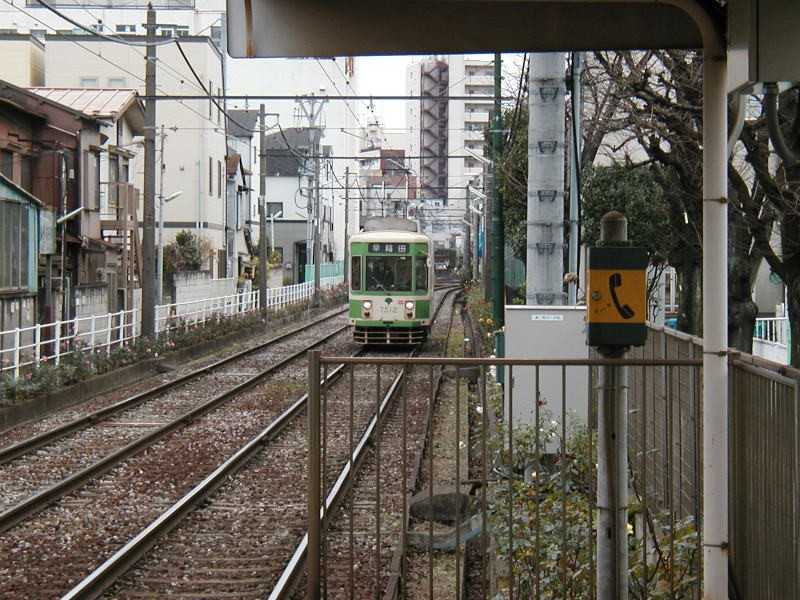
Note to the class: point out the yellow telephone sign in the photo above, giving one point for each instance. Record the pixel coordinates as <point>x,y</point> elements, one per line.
<point>617,296</point>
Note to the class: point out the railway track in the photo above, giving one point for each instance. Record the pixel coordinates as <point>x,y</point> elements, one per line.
<point>47,552</point>
<point>235,532</point>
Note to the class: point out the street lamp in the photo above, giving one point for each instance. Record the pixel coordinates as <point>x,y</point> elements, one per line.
<point>62,220</point>
<point>477,192</point>
<point>486,161</point>
<point>69,215</point>
<point>272,229</point>
<point>160,275</point>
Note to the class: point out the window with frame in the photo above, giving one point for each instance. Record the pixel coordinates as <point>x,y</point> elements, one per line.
<point>219,179</point>
<point>124,171</point>
<point>273,208</point>
<point>96,186</point>
<point>126,28</point>
<point>26,172</point>
<point>388,274</point>
<point>7,164</point>
<point>14,233</point>
<point>421,267</point>
<point>89,82</point>
<point>210,176</point>
<point>355,274</point>
<point>113,179</point>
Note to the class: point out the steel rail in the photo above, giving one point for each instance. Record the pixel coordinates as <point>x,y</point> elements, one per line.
<point>117,565</point>
<point>295,568</point>
<point>39,500</point>
<point>392,591</point>
<point>21,448</point>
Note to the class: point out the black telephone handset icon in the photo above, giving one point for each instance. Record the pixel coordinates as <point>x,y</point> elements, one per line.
<point>615,281</point>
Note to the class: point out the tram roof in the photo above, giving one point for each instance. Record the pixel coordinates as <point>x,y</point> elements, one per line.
<point>403,237</point>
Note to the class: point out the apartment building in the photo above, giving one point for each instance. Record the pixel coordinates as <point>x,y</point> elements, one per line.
<point>453,114</point>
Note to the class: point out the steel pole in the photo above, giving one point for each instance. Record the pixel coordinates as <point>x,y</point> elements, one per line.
<point>612,454</point>
<point>262,213</point>
<point>574,176</point>
<point>715,329</point>
<point>498,242</point>
<point>160,257</point>
<point>313,571</point>
<point>346,223</point>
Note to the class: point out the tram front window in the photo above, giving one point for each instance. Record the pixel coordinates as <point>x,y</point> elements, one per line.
<point>388,274</point>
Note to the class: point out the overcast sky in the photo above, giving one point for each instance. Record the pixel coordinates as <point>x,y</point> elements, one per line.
<point>385,76</point>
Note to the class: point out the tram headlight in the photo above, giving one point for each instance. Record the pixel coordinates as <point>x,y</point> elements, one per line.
<point>367,304</point>
<point>409,305</point>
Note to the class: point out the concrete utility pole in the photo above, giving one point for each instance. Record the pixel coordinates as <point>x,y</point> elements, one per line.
<point>612,453</point>
<point>312,108</point>
<point>148,282</point>
<point>262,212</point>
<point>545,253</point>
<point>498,239</point>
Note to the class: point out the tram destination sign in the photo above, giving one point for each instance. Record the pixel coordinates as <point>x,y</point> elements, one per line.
<point>388,248</point>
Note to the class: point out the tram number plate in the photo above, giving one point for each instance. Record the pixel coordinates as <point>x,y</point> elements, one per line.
<point>387,309</point>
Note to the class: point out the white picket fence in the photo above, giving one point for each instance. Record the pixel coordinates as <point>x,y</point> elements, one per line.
<point>32,346</point>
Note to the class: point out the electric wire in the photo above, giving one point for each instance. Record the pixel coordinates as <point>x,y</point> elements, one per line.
<point>210,95</point>
<point>133,75</point>
<point>115,39</point>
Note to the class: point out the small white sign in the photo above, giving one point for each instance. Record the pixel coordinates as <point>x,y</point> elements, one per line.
<point>547,317</point>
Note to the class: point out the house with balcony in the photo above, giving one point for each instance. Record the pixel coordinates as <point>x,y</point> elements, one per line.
<point>69,152</point>
<point>109,221</point>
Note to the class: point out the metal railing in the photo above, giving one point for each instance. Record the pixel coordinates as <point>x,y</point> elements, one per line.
<point>765,479</point>
<point>29,347</point>
<point>525,493</point>
<point>531,519</point>
<point>199,311</point>
<point>764,462</point>
<point>774,330</point>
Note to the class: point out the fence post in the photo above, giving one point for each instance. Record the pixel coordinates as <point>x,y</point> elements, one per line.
<point>314,475</point>
<point>37,344</point>
<point>58,342</point>
<point>123,316</point>
<point>16,351</point>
